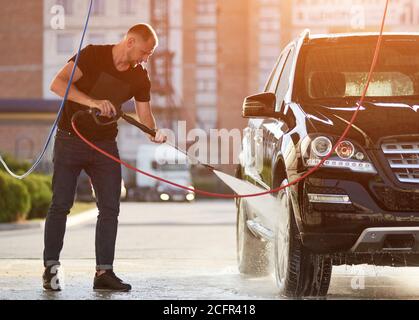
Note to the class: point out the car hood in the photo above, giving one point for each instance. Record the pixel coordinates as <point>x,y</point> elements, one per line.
<point>373,122</point>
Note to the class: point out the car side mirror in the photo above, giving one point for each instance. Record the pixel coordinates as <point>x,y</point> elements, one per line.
<point>260,106</point>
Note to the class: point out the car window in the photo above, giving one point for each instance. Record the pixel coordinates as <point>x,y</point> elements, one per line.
<point>284,81</point>
<point>340,70</point>
<point>273,74</point>
<point>277,72</point>
<point>383,84</point>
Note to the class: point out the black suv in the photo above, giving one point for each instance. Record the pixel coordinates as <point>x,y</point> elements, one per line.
<point>362,205</point>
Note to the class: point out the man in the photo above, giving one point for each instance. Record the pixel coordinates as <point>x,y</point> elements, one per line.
<point>106,75</point>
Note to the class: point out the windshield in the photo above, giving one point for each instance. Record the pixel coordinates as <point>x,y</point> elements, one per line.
<point>339,69</point>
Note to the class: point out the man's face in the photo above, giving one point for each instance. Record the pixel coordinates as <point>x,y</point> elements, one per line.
<point>139,50</point>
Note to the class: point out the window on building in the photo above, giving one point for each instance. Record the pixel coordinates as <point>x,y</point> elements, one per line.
<point>67,5</point>
<point>65,43</point>
<point>98,8</point>
<point>206,48</point>
<point>205,85</point>
<point>207,117</point>
<point>96,38</point>
<point>127,7</point>
<point>206,12</point>
<point>206,6</point>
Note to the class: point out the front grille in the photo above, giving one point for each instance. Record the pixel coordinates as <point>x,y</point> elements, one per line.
<point>393,200</point>
<point>403,158</point>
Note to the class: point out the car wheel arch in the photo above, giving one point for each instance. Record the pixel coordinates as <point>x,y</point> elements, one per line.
<point>278,172</point>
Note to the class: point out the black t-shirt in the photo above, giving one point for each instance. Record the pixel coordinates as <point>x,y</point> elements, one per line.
<point>101,80</point>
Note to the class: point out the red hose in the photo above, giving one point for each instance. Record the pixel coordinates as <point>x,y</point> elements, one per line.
<point>308,173</point>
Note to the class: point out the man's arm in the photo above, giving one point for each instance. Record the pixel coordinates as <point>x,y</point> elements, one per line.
<point>146,117</point>
<point>60,83</point>
<point>144,114</point>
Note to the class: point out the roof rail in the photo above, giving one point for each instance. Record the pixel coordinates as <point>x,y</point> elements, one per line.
<point>305,34</point>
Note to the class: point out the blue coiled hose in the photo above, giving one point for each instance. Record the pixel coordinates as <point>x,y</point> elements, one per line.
<point>38,160</point>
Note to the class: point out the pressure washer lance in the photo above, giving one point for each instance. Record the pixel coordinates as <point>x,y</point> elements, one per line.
<point>94,112</point>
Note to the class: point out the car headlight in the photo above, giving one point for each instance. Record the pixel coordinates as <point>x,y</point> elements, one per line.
<point>345,150</point>
<point>190,197</point>
<point>164,197</point>
<point>321,146</point>
<point>348,155</point>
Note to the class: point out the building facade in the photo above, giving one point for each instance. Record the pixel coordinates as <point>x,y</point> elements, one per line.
<point>21,50</point>
<point>221,50</point>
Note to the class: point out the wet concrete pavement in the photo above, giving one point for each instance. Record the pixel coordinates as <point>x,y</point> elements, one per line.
<point>173,251</point>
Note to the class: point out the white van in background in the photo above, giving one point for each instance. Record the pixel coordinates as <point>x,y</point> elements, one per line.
<point>167,163</point>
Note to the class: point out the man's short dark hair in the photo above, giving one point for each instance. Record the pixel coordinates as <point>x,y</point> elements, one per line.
<point>145,31</point>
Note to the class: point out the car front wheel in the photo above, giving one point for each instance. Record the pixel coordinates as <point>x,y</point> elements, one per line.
<point>298,272</point>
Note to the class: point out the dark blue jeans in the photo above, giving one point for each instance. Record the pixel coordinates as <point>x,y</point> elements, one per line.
<point>71,155</point>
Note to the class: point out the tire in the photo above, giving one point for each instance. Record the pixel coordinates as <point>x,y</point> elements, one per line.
<point>298,272</point>
<point>252,253</point>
